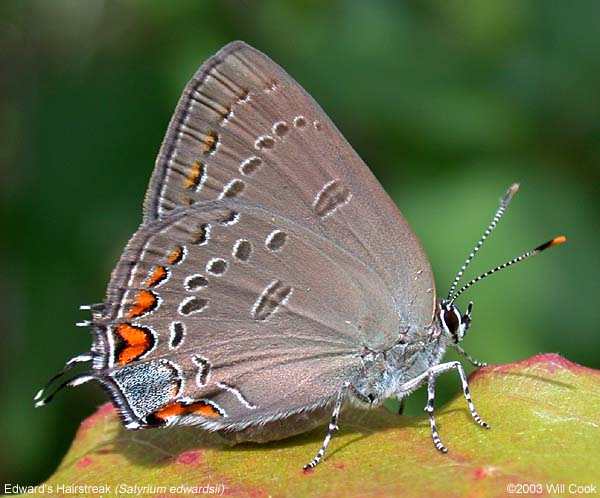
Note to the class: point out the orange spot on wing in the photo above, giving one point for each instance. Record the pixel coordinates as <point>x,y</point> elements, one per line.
<point>178,408</point>
<point>226,114</point>
<point>157,276</point>
<point>169,411</point>
<point>145,302</point>
<point>192,180</point>
<point>175,256</point>
<point>205,409</point>
<point>137,341</point>
<point>210,143</point>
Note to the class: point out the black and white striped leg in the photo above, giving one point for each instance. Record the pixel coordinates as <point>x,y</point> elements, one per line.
<point>432,374</point>
<point>465,388</point>
<point>429,409</point>
<point>472,360</point>
<point>332,427</point>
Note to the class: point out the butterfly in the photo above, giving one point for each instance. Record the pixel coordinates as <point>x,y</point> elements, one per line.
<point>272,281</point>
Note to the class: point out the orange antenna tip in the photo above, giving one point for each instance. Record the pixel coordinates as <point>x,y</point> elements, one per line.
<point>551,243</point>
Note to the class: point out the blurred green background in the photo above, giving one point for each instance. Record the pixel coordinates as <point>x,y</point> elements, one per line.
<point>449,102</point>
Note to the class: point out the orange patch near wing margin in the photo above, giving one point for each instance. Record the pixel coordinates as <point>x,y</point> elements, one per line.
<point>192,180</point>
<point>145,302</point>
<point>179,408</point>
<point>136,341</point>
<point>157,276</point>
<point>210,143</point>
<point>175,256</point>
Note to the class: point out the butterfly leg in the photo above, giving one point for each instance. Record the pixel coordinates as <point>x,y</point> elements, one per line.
<point>472,360</point>
<point>429,409</point>
<point>332,427</point>
<point>467,395</point>
<point>432,374</point>
<point>401,406</point>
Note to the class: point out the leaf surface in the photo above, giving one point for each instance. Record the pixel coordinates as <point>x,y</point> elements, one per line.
<point>544,413</point>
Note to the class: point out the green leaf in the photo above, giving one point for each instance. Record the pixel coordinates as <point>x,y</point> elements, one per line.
<point>544,413</point>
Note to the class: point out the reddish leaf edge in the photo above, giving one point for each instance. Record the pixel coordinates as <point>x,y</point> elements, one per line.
<point>550,361</point>
<point>107,416</point>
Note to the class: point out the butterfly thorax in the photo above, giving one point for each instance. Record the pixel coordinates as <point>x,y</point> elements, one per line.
<point>385,372</point>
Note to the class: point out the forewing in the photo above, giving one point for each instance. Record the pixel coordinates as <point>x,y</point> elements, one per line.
<point>245,129</point>
<point>226,315</point>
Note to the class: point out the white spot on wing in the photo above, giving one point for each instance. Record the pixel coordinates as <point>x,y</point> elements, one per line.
<point>299,121</point>
<point>276,240</point>
<point>331,197</point>
<point>250,165</point>
<point>203,375</point>
<point>270,301</point>
<point>236,392</point>
<point>235,217</point>
<point>173,334</point>
<point>195,282</point>
<point>264,142</point>
<point>216,266</point>
<point>233,188</point>
<point>193,304</point>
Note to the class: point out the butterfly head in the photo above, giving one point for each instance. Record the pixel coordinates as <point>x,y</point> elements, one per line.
<point>451,320</point>
<point>453,323</point>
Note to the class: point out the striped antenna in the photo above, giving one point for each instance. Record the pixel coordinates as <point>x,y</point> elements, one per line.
<point>551,243</point>
<point>505,200</point>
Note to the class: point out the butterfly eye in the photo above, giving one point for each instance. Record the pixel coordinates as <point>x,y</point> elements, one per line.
<point>452,321</point>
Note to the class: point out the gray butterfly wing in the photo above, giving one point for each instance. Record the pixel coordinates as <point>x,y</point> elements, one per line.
<point>245,129</point>
<point>227,315</point>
